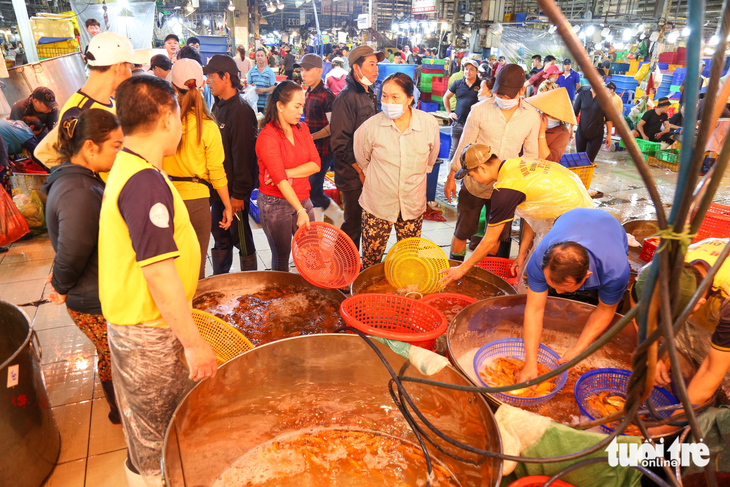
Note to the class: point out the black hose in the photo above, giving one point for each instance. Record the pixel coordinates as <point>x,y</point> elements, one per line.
<point>591,461</point>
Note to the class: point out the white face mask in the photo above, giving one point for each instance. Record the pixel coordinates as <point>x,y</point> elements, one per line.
<point>552,123</point>
<point>392,110</point>
<point>482,98</point>
<point>363,79</point>
<point>506,104</point>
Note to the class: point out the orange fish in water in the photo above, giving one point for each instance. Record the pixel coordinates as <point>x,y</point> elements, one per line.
<point>504,371</point>
<point>603,405</point>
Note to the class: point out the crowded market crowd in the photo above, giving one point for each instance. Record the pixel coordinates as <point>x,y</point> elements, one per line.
<point>147,163</point>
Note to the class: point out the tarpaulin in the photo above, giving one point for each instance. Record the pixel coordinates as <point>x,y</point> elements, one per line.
<point>519,44</point>
<point>137,28</point>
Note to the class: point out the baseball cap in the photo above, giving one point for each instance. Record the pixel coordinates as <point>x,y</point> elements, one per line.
<point>161,61</point>
<point>611,85</point>
<point>471,157</point>
<point>221,63</point>
<point>45,96</point>
<point>470,61</point>
<point>309,61</point>
<point>364,51</point>
<point>172,36</point>
<point>568,61</point>
<point>509,80</point>
<point>185,70</point>
<point>108,49</point>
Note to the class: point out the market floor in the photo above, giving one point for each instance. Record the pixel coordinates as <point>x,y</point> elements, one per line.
<point>92,449</point>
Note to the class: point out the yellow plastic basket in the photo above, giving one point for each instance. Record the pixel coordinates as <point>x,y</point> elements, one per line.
<point>415,264</point>
<point>585,173</point>
<point>226,341</point>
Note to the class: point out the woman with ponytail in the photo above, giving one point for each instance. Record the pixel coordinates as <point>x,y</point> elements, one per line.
<point>88,143</point>
<point>198,164</point>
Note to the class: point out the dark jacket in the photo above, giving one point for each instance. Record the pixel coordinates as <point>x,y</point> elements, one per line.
<point>72,216</point>
<point>238,124</point>
<point>351,108</point>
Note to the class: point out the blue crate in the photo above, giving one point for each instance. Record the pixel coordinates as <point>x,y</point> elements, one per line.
<point>432,179</point>
<point>577,159</point>
<point>627,110</point>
<point>445,145</point>
<point>663,65</point>
<point>615,382</point>
<point>515,348</point>
<point>429,106</point>
<point>253,209</point>
<point>386,69</point>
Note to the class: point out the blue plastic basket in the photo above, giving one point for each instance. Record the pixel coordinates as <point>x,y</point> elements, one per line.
<point>445,145</point>
<point>578,159</point>
<point>615,382</point>
<point>429,106</point>
<point>515,348</point>
<point>253,209</point>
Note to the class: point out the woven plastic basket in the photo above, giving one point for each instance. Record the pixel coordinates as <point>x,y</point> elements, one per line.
<point>395,317</point>
<point>615,382</point>
<point>500,266</point>
<point>415,264</point>
<point>226,341</point>
<point>515,348</point>
<point>648,249</point>
<point>716,223</point>
<point>325,255</point>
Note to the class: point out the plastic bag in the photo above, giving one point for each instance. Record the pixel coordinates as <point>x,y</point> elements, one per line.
<point>31,208</point>
<point>519,430</point>
<point>643,71</point>
<point>12,224</point>
<point>251,97</point>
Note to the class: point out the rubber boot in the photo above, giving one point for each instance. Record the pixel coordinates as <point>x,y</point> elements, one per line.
<point>459,257</point>
<point>135,479</point>
<point>335,213</point>
<point>221,261</point>
<point>249,262</point>
<point>318,214</point>
<point>114,415</point>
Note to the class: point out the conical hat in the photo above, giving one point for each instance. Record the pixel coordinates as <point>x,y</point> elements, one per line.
<point>555,103</point>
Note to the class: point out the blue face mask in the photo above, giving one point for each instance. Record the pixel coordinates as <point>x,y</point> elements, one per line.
<point>392,110</point>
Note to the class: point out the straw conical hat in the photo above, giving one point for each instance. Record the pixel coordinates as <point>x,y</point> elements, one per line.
<point>555,103</point>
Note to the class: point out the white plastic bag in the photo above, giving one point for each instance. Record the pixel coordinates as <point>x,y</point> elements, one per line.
<point>251,97</point>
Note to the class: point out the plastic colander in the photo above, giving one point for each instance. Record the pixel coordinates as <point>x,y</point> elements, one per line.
<point>395,317</point>
<point>615,382</point>
<point>515,348</point>
<point>415,264</point>
<point>325,255</point>
<point>226,341</point>
<point>500,266</point>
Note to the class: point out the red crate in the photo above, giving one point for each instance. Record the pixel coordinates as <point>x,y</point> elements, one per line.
<point>716,223</point>
<point>649,249</point>
<point>439,85</point>
<point>432,69</point>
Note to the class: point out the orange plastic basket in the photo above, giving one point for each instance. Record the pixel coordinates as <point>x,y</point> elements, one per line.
<point>325,255</point>
<point>500,266</point>
<point>537,481</point>
<point>395,317</point>
<point>716,223</point>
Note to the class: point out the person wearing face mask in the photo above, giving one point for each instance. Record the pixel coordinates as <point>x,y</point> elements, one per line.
<point>353,106</point>
<point>395,149</point>
<point>557,112</point>
<point>287,157</point>
<point>509,126</point>
<point>485,89</point>
<point>466,91</point>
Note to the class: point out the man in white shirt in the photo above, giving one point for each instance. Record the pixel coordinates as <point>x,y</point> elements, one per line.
<point>506,124</point>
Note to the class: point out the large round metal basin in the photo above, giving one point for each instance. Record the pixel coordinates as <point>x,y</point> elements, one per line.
<point>316,381</point>
<point>301,309</point>
<point>477,283</point>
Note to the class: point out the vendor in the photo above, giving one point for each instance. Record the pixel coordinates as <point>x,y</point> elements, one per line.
<point>149,260</point>
<point>713,308</point>
<point>583,257</point>
<point>538,191</point>
<point>653,124</point>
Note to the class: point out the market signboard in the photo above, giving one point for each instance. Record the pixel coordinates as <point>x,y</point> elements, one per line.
<point>424,6</point>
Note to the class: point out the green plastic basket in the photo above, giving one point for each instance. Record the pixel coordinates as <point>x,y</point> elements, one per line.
<point>669,155</point>
<point>645,146</point>
<point>437,98</point>
<point>434,61</point>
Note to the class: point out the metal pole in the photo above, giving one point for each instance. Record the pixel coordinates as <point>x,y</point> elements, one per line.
<point>319,32</point>
<point>26,33</point>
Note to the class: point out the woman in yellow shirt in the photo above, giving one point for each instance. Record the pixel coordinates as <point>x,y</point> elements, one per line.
<point>198,163</point>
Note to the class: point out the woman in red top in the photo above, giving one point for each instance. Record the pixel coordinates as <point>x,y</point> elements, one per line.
<point>287,157</point>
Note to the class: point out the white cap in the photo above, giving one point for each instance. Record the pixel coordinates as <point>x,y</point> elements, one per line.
<point>108,49</point>
<point>184,70</point>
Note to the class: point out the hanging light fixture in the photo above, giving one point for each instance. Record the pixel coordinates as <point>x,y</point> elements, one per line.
<point>714,40</point>
<point>590,30</point>
<point>271,8</point>
<point>279,5</point>
<point>190,7</point>
<point>628,34</point>
<point>685,32</point>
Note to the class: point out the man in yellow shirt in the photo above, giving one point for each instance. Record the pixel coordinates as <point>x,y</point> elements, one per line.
<point>149,260</point>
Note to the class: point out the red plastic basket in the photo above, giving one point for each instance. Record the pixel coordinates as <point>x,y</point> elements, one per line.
<point>649,249</point>
<point>716,223</point>
<point>395,317</point>
<point>500,266</point>
<point>325,255</point>
<point>537,481</point>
